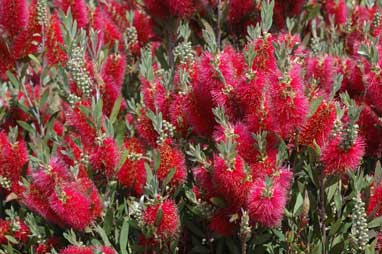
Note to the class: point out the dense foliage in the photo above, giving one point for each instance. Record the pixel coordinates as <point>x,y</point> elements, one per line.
<point>190,126</point>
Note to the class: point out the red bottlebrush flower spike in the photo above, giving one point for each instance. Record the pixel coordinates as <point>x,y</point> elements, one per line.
<point>27,41</point>
<point>36,201</point>
<point>244,140</point>
<point>157,9</point>
<point>177,114</point>
<point>171,158</point>
<point>78,9</point>
<point>115,68</point>
<point>338,161</point>
<point>13,16</point>
<point>77,250</point>
<point>231,182</point>
<point>288,104</point>
<point>4,230</point>
<point>146,130</point>
<point>375,201</point>
<point>264,60</point>
<point>86,186</point>
<point>55,173</point>
<point>337,9</point>
<point>370,127</point>
<point>110,93</point>
<point>54,43</point>
<point>13,159</point>
<point>105,158</point>
<point>133,173</point>
<point>71,205</point>
<point>168,226</point>
<point>108,29</point>
<point>220,223</point>
<point>374,90</point>
<point>7,61</point>
<point>266,203</point>
<point>239,9</point>
<point>21,231</point>
<point>181,8</point>
<point>319,126</point>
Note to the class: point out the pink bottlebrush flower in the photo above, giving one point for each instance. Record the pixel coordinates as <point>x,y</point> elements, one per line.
<point>45,178</point>
<point>264,166</point>
<point>283,176</point>
<point>77,120</point>
<point>168,226</point>
<point>48,245</point>
<point>13,160</point>
<point>171,158</point>
<point>239,10</point>
<point>115,68</point>
<point>145,129</point>
<point>86,186</point>
<point>155,96</point>
<point>71,205</point>
<point>374,90</point>
<point>78,8</point>
<point>319,126</point>
<point>337,9</point>
<point>133,173</point>
<point>231,181</point>
<point>266,203</point>
<point>109,31</point>
<point>371,130</point>
<point>288,104</point>
<point>27,41</point>
<point>7,61</point>
<point>177,114</point>
<point>220,223</point>
<point>77,250</point>
<point>353,78</point>
<point>264,60</point>
<point>22,231</point>
<point>322,69</point>
<point>244,140</point>
<point>375,201</point>
<point>144,27</point>
<point>110,93</point>
<point>338,161</point>
<point>203,179</point>
<point>157,9</point>
<point>105,157</point>
<point>54,42</point>
<point>181,8</point>
<point>13,16</point>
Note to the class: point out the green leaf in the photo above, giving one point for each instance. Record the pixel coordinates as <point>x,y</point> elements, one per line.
<point>44,97</point>
<point>376,223</point>
<point>26,126</point>
<point>115,110</point>
<point>103,235</point>
<point>168,178</point>
<point>219,202</point>
<point>124,236</point>
<point>298,204</point>
<point>13,80</point>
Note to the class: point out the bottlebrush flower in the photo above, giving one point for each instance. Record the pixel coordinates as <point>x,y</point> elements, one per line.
<point>78,8</point>
<point>319,126</point>
<point>288,104</point>
<point>374,90</point>
<point>220,223</point>
<point>177,114</point>
<point>239,10</point>
<point>20,230</point>
<point>13,16</point>
<point>105,157</point>
<point>115,68</point>
<point>45,178</point>
<point>244,140</point>
<point>7,62</point>
<point>231,180</point>
<point>337,9</point>
<point>371,130</point>
<point>266,203</point>
<point>54,42</point>
<point>77,250</point>
<point>13,159</point>
<point>71,205</point>
<point>86,186</point>
<point>133,173</point>
<point>145,129</point>
<point>171,158</point>
<point>338,161</point>
<point>27,40</point>
<point>4,230</point>
<point>264,60</point>
<point>109,33</point>
<point>168,225</point>
<point>178,8</point>
<point>375,201</point>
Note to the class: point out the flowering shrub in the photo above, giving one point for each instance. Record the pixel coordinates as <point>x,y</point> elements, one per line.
<point>190,126</point>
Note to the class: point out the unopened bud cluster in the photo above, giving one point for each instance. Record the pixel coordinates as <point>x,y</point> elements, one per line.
<point>42,8</point>
<point>245,228</point>
<point>376,20</point>
<point>349,135</point>
<point>5,183</point>
<point>134,156</point>
<point>167,131</point>
<point>76,67</point>
<point>183,52</point>
<point>131,36</point>
<point>359,231</point>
